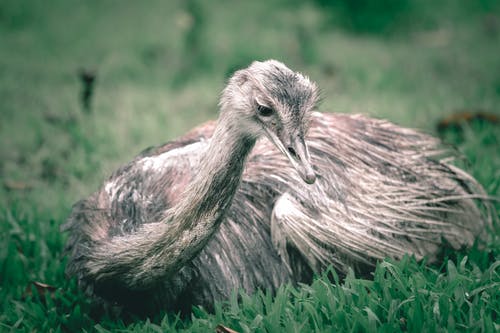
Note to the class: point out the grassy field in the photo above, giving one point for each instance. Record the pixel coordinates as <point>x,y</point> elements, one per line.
<point>160,66</point>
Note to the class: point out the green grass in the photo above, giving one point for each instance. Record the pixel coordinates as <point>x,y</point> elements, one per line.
<point>160,66</point>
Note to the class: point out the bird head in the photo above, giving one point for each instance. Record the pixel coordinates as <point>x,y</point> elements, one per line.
<point>272,100</point>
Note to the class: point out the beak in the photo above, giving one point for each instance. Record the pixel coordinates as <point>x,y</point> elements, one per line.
<point>297,153</point>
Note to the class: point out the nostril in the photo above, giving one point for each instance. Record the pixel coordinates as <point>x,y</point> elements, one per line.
<point>293,153</point>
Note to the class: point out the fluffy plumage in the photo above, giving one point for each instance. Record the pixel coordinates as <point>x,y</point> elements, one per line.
<point>219,209</point>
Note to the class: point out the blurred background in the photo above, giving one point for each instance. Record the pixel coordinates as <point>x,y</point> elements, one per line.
<point>86,85</point>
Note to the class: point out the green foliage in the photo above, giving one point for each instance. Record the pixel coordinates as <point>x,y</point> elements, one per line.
<point>368,16</point>
<point>400,17</point>
<point>160,66</point>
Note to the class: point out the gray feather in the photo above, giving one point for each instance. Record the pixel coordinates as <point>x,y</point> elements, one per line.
<point>218,210</point>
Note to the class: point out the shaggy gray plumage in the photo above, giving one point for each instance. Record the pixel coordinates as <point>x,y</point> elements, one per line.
<point>220,209</point>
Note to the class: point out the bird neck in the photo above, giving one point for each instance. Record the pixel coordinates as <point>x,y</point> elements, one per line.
<point>212,189</point>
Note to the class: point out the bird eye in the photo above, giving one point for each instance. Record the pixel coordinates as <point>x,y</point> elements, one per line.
<point>264,111</point>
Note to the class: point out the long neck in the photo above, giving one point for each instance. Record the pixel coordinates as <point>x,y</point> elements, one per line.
<point>159,250</point>
<point>215,183</point>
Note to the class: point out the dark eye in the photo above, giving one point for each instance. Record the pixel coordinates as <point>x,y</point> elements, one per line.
<point>264,111</point>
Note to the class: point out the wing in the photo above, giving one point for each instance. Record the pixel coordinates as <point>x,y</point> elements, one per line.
<point>382,191</point>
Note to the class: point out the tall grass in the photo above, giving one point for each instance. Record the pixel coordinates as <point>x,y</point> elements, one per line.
<point>160,66</point>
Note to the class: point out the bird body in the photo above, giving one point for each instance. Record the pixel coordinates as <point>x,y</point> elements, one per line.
<point>222,209</point>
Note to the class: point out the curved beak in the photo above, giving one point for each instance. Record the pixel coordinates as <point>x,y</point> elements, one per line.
<point>298,154</point>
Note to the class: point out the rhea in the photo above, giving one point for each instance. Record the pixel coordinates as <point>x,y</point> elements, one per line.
<point>270,194</point>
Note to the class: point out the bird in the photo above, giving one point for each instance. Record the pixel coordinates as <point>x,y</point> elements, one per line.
<point>273,192</point>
